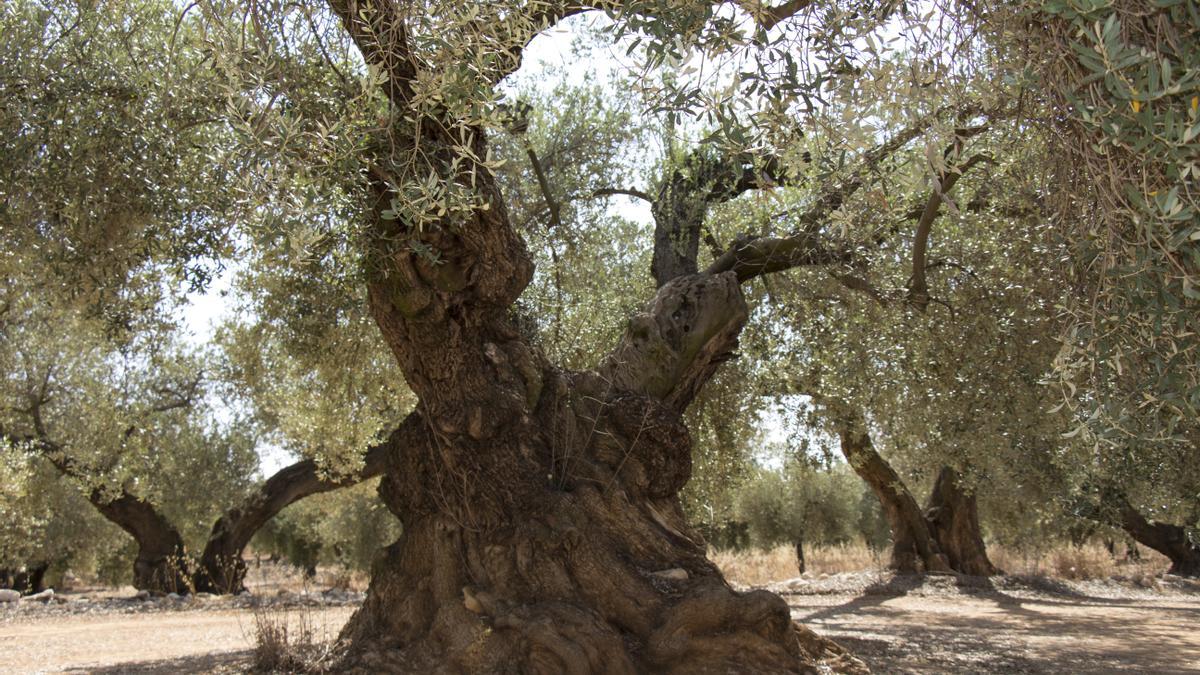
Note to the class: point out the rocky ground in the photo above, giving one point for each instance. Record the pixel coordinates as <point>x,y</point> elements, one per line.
<point>896,624</point>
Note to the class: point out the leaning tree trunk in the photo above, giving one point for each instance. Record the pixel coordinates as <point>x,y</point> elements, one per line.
<point>1169,540</point>
<point>953,516</point>
<point>914,547</point>
<point>161,564</point>
<point>221,568</point>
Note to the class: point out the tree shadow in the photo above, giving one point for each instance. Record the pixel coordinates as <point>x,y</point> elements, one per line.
<point>199,663</point>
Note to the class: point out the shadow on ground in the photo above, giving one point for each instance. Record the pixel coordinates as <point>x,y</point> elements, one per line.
<point>915,624</point>
<point>227,662</point>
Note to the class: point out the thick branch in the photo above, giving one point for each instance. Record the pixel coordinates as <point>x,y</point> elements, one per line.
<point>918,289</point>
<point>913,544</point>
<point>769,17</point>
<point>1169,540</point>
<point>750,257</point>
<point>377,29</point>
<point>629,192</point>
<point>221,569</point>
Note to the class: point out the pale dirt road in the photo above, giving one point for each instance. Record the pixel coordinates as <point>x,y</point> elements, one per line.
<point>894,628</point>
<point>193,641</point>
<point>1000,632</point>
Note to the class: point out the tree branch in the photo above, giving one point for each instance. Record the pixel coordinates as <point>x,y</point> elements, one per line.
<point>918,289</point>
<point>544,185</point>
<point>769,17</point>
<point>377,29</point>
<point>750,257</point>
<point>220,562</point>
<point>628,192</point>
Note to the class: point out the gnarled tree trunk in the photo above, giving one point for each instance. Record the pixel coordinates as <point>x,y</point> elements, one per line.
<point>161,564</point>
<point>542,527</point>
<point>221,568</point>
<point>1169,540</point>
<point>953,515</point>
<point>943,537</point>
<point>30,579</point>
<point>914,547</point>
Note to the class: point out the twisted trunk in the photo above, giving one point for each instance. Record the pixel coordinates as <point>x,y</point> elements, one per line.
<point>161,564</point>
<point>1169,540</point>
<point>542,527</point>
<point>543,532</point>
<point>953,515</point>
<point>221,568</point>
<point>914,547</point>
<point>943,537</point>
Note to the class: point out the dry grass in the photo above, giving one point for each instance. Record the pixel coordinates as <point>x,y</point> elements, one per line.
<point>269,577</point>
<point>1090,561</point>
<point>289,641</point>
<point>756,567</point>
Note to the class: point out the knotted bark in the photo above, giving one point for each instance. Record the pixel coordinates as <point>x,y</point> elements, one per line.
<point>549,538</point>
<point>944,537</point>
<point>1169,540</point>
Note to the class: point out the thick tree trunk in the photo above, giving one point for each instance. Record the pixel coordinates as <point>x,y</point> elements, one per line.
<point>545,535</point>
<point>221,568</point>
<point>1169,540</point>
<point>161,564</point>
<point>945,537</point>
<point>953,515</point>
<point>542,529</point>
<point>31,579</point>
<point>914,548</point>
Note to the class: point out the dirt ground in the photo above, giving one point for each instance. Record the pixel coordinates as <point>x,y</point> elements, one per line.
<point>896,625</point>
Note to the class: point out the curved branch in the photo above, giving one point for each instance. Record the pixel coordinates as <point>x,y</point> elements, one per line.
<point>161,561</point>
<point>918,289</point>
<point>628,192</point>
<point>750,257</point>
<point>769,17</point>
<point>221,568</point>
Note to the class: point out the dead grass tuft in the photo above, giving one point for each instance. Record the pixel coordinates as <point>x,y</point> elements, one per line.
<point>289,641</point>
<point>1080,563</point>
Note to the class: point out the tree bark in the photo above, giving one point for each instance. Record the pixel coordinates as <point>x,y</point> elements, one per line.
<point>1169,540</point>
<point>542,527</point>
<point>221,568</point>
<point>161,564</point>
<point>914,548</point>
<point>28,580</point>
<point>953,516</point>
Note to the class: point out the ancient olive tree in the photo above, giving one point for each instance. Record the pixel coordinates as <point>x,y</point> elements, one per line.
<point>113,213</point>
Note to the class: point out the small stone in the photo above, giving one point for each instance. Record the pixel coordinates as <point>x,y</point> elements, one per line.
<point>142,595</point>
<point>673,574</point>
<point>173,596</point>
<point>45,596</point>
<point>9,595</point>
